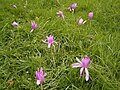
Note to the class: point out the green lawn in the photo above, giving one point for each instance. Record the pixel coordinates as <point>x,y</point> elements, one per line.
<point>22,52</point>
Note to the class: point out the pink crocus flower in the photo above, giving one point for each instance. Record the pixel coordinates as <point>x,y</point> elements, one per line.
<point>81,22</point>
<point>90,15</point>
<point>60,13</point>
<point>50,41</point>
<point>72,7</point>
<point>15,24</point>
<point>84,65</point>
<point>34,26</point>
<point>40,76</point>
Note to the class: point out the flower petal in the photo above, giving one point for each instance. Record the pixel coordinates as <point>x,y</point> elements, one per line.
<point>81,70</point>
<point>78,60</point>
<point>37,75</point>
<point>44,41</point>
<point>49,45</point>
<point>84,21</point>
<point>32,30</point>
<point>75,65</point>
<point>87,74</point>
<point>38,82</point>
<point>57,12</point>
<point>80,21</point>
<point>45,74</point>
<point>41,70</point>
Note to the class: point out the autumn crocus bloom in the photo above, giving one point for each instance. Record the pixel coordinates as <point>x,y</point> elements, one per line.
<point>90,15</point>
<point>50,41</point>
<point>60,13</point>
<point>84,65</point>
<point>72,7</point>
<point>15,24</point>
<point>34,26</point>
<point>40,76</point>
<point>81,21</point>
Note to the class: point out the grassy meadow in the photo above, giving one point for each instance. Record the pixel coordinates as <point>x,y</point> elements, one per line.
<point>23,52</point>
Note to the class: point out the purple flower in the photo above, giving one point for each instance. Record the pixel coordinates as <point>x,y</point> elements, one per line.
<point>50,41</point>
<point>60,13</point>
<point>40,76</point>
<point>81,22</point>
<point>15,24</point>
<point>84,65</point>
<point>90,15</point>
<point>34,26</point>
<point>72,7</point>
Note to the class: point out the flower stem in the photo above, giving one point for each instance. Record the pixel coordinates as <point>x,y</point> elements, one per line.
<point>41,87</point>
<point>90,24</point>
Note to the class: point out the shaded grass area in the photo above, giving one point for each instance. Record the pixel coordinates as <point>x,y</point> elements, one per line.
<point>22,52</point>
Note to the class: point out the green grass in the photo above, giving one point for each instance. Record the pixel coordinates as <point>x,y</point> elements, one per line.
<point>22,51</point>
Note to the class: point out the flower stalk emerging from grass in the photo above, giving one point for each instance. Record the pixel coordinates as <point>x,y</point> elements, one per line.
<point>90,16</point>
<point>84,65</point>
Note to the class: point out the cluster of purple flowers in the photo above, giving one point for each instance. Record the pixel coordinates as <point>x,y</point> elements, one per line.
<point>50,41</point>
<point>83,64</point>
<point>72,8</point>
